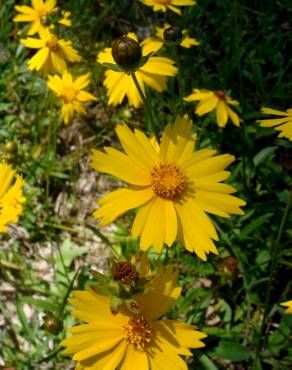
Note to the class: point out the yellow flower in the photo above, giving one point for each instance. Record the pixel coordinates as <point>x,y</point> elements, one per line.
<point>287,304</point>
<point>128,341</point>
<point>11,196</point>
<point>53,53</point>
<point>173,185</point>
<point>163,5</point>
<point>36,15</point>
<point>119,84</point>
<point>71,93</point>
<point>65,21</point>
<point>283,124</point>
<point>215,100</point>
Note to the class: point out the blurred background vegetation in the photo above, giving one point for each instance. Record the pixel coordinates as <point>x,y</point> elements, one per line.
<point>245,49</point>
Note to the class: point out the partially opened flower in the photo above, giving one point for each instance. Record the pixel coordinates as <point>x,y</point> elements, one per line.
<point>71,93</point>
<point>53,53</point>
<point>163,5</point>
<point>215,101</point>
<point>287,304</point>
<point>173,185</point>
<point>283,124</point>
<point>37,15</point>
<point>153,73</point>
<point>11,196</point>
<point>131,341</point>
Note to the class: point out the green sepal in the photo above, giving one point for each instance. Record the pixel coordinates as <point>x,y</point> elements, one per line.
<point>116,304</point>
<point>132,305</point>
<point>117,68</point>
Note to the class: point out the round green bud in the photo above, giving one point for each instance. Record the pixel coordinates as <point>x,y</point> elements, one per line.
<point>173,34</point>
<point>126,52</point>
<point>52,324</point>
<point>10,147</point>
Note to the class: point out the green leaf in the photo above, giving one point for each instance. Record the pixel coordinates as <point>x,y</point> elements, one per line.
<point>70,250</point>
<point>255,224</point>
<point>264,155</point>
<point>42,304</point>
<point>23,320</point>
<point>232,351</point>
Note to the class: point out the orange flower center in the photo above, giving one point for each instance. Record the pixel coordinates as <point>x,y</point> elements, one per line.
<point>53,44</point>
<point>168,181</point>
<point>219,94</point>
<point>68,94</point>
<point>137,331</point>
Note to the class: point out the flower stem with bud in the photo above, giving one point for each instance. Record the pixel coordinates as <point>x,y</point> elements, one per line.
<point>145,103</point>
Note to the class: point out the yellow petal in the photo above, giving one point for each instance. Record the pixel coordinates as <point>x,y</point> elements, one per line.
<point>125,200</point>
<point>140,359</point>
<point>206,105</point>
<point>221,113</point>
<point>208,166</point>
<point>219,204</point>
<point>120,165</point>
<point>153,233</point>
<point>274,111</point>
<point>132,146</point>
<point>161,295</point>
<point>85,96</point>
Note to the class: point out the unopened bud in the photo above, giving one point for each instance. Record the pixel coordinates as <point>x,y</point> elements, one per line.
<point>52,324</point>
<point>173,34</point>
<point>126,52</point>
<point>229,265</point>
<point>10,147</point>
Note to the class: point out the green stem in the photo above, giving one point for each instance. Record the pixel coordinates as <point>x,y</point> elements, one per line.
<point>237,47</point>
<point>180,79</point>
<point>146,105</point>
<point>273,268</point>
<point>62,308</point>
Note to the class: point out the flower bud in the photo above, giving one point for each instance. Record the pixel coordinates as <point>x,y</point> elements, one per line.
<point>127,53</point>
<point>52,324</point>
<point>173,34</point>
<point>10,147</point>
<point>229,266</point>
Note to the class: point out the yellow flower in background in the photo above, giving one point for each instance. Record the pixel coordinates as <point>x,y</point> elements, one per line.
<point>283,124</point>
<point>52,54</point>
<point>215,101</point>
<point>131,341</point>
<point>163,5</point>
<point>153,73</point>
<point>37,14</point>
<point>65,21</point>
<point>11,196</point>
<point>173,185</point>
<point>71,93</point>
<point>287,304</point>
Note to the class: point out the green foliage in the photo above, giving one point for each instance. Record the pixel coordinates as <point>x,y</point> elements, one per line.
<point>244,50</point>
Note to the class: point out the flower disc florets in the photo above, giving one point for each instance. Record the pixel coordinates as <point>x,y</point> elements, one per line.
<point>137,331</point>
<point>53,44</point>
<point>127,53</point>
<point>220,95</point>
<point>168,181</point>
<point>173,34</point>
<point>125,272</point>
